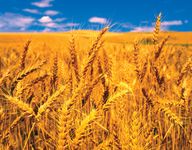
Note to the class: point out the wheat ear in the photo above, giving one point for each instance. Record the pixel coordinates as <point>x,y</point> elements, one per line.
<point>85,125</point>
<point>157,29</point>
<point>20,104</point>
<point>24,54</point>
<point>74,60</point>
<point>50,101</point>
<point>112,99</point>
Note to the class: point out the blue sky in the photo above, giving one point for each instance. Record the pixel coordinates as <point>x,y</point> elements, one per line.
<point>123,15</point>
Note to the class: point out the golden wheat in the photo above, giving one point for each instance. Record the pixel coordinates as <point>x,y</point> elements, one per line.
<point>106,95</point>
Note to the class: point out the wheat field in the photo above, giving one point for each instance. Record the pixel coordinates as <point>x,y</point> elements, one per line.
<point>86,90</point>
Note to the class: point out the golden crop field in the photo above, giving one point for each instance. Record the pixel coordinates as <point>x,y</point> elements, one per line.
<point>88,90</point>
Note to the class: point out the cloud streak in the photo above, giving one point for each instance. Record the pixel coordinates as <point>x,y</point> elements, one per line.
<point>142,29</point>
<point>59,19</point>
<point>51,12</point>
<point>52,26</point>
<point>172,23</point>
<point>165,25</point>
<point>43,3</point>
<point>32,11</point>
<point>98,20</point>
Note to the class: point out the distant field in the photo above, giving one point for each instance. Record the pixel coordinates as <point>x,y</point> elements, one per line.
<point>178,38</point>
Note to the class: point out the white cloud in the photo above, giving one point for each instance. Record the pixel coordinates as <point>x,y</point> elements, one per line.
<point>43,3</point>
<point>15,22</point>
<point>10,22</point>
<point>45,19</point>
<point>98,20</point>
<point>55,24</point>
<point>32,11</point>
<point>51,12</point>
<point>172,23</point>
